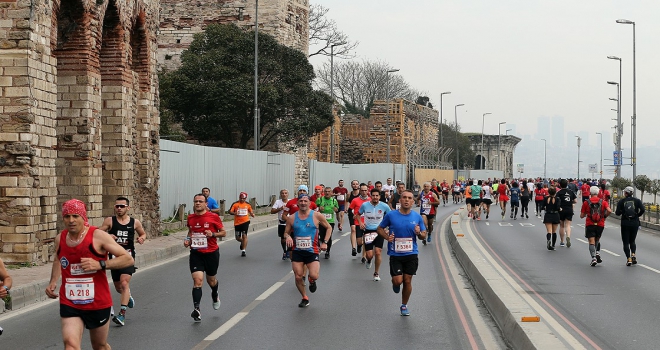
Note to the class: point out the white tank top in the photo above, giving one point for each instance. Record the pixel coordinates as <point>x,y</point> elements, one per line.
<point>487,192</point>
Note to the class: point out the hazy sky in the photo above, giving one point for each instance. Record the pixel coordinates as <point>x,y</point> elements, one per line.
<point>518,59</point>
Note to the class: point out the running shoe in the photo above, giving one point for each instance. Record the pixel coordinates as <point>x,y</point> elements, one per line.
<point>511,216</point>
<point>354,252</point>
<point>364,260</point>
<point>404,310</point>
<point>119,319</point>
<point>562,244</point>
<point>629,262</point>
<point>327,255</point>
<point>396,289</point>
<point>594,262</point>
<point>196,315</point>
<point>502,216</point>
<point>340,228</point>
<point>526,216</point>
<point>424,241</point>
<point>131,302</point>
<point>515,218</point>
<point>568,242</point>
<point>243,253</point>
<point>359,248</point>
<point>550,247</point>
<point>376,277</point>
<point>598,259</point>
<point>487,215</point>
<point>304,303</point>
<point>368,265</point>
<point>312,286</point>
<point>216,303</point>
<point>428,238</point>
<point>634,260</point>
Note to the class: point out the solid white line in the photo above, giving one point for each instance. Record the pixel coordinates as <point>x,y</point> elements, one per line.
<point>336,240</point>
<point>269,291</point>
<point>649,268</point>
<point>346,234</point>
<point>226,326</point>
<point>610,252</point>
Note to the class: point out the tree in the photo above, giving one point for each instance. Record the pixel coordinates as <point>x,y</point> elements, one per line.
<point>620,183</point>
<point>323,34</point>
<point>212,93</point>
<point>642,183</point>
<point>423,101</point>
<point>464,145</point>
<point>655,188</point>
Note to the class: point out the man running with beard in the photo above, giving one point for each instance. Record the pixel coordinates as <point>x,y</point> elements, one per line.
<point>566,200</point>
<point>427,199</point>
<point>373,213</point>
<point>355,193</point>
<point>405,227</point>
<point>355,207</point>
<point>396,197</point>
<point>278,208</point>
<point>305,249</point>
<point>340,192</point>
<point>328,206</point>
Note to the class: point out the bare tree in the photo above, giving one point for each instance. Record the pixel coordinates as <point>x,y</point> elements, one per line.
<point>358,84</point>
<point>323,34</point>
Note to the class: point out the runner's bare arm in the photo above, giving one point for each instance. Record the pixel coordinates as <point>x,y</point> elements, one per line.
<point>55,272</point>
<point>5,280</point>
<point>142,235</point>
<point>287,231</point>
<point>107,225</point>
<point>103,243</point>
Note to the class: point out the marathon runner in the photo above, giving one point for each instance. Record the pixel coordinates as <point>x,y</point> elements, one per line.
<point>355,193</point>
<point>566,200</point>
<point>444,189</point>
<point>595,210</point>
<point>515,200</point>
<point>396,197</point>
<point>373,213</point>
<point>340,192</point>
<point>278,208</point>
<point>427,199</point>
<point>242,212</point>
<point>328,206</point>
<point>355,207</point>
<point>486,197</point>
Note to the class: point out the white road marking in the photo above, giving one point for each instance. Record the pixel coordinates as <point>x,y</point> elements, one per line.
<point>336,240</point>
<point>505,224</point>
<point>610,252</point>
<point>346,234</point>
<point>526,224</point>
<point>649,268</point>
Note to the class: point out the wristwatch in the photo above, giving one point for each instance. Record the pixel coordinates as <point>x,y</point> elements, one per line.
<point>324,241</point>
<point>102,263</point>
<point>7,289</point>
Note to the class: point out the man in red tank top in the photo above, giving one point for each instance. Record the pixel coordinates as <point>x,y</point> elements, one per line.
<point>85,299</point>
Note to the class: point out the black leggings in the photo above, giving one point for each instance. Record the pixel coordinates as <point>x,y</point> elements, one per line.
<point>539,206</point>
<point>628,236</point>
<point>524,202</point>
<point>323,234</point>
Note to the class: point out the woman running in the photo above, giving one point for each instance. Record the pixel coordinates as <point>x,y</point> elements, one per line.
<point>551,218</point>
<point>503,191</point>
<point>539,194</point>
<point>524,200</point>
<point>515,200</point>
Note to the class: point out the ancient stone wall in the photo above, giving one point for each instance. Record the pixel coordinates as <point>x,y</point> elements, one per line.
<point>78,116</point>
<point>286,20</point>
<point>321,145</point>
<point>497,152</point>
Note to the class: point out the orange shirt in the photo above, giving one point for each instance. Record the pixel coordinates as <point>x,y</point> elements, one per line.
<point>242,212</point>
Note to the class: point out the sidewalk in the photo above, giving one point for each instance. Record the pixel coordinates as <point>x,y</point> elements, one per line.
<point>29,283</point>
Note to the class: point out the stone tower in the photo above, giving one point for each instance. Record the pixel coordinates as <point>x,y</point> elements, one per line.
<point>78,116</point>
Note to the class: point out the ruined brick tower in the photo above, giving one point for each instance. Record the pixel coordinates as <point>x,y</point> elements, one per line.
<point>78,116</point>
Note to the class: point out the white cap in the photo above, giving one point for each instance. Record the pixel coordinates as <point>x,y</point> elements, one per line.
<point>628,189</point>
<point>594,190</point>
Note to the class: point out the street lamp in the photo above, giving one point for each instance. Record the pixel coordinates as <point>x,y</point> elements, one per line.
<point>545,159</point>
<point>601,154</point>
<point>619,130</point>
<point>499,139</point>
<point>634,116</point>
<point>256,75</point>
<point>332,95</point>
<point>457,151</point>
<point>483,118</point>
<point>578,144</point>
<point>442,143</point>
<point>507,131</point>
<point>387,101</point>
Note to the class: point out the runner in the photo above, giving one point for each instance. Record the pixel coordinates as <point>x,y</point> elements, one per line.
<point>203,228</point>
<point>486,197</point>
<point>212,203</point>
<point>476,200</point>
<point>586,188</point>
<point>379,187</point>
<point>444,189</point>
<point>81,261</point>
<point>427,199</point>
<point>468,197</point>
<point>596,211</point>
<point>396,197</point>
<point>340,192</point>
<point>355,193</point>
<point>456,193</point>
<point>405,227</point>
<point>515,200</point>
<point>389,190</point>
<point>503,196</point>
<point>292,208</point>
<point>539,195</point>
<point>629,209</point>
<point>496,184</point>
<point>525,194</point>
<point>278,208</point>
<point>416,189</point>
<point>122,228</point>
<point>242,212</point>
<point>328,206</point>
<point>566,200</point>
<point>355,207</point>
<point>604,193</point>
<point>551,218</point>
<point>5,287</point>
<point>318,193</point>
<point>373,213</point>
<point>305,250</point>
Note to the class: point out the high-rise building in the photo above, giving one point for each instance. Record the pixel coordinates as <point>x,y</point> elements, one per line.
<point>543,127</point>
<point>558,132</point>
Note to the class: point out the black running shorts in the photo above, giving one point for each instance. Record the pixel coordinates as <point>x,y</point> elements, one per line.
<point>205,262</point>
<point>403,265</point>
<point>304,257</point>
<point>91,318</point>
<point>593,231</point>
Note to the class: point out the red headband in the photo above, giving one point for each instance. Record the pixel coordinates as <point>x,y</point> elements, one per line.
<point>243,195</point>
<point>74,206</point>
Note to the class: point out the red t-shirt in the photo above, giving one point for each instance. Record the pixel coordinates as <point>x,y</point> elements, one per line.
<point>340,191</point>
<point>585,189</point>
<point>207,221</point>
<point>587,210</point>
<point>292,206</point>
<point>355,205</point>
<point>539,194</point>
<point>604,194</point>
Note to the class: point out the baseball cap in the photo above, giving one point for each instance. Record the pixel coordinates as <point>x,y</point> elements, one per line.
<point>318,187</point>
<point>594,190</point>
<point>628,189</point>
<point>303,188</point>
<point>242,195</point>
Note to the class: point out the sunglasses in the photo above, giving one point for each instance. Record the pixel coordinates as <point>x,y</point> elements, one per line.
<point>198,201</point>
<point>120,206</point>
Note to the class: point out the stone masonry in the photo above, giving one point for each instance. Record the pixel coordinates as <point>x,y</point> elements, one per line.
<point>78,116</point>
<point>497,153</point>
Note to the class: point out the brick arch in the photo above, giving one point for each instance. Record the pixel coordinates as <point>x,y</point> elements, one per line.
<point>140,58</point>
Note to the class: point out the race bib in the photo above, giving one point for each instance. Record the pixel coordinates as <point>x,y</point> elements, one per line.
<point>198,241</point>
<point>242,212</point>
<point>80,290</point>
<point>370,237</point>
<point>304,242</point>
<point>328,216</point>
<point>340,197</point>
<point>403,245</point>
<point>426,205</point>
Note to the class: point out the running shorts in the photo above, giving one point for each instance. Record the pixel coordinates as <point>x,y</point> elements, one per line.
<point>91,318</point>
<point>593,231</point>
<point>377,242</point>
<point>304,257</point>
<point>566,215</point>
<point>403,265</point>
<point>205,262</point>
<point>241,229</point>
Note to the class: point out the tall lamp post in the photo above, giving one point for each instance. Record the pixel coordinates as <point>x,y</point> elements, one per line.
<point>619,127</point>
<point>332,95</point>
<point>256,75</point>
<point>633,124</point>
<point>507,131</point>
<point>545,159</point>
<point>457,150</point>
<point>442,142</point>
<point>499,144</point>
<point>483,119</point>
<point>387,116</point>
<point>601,154</point>
<point>578,144</point>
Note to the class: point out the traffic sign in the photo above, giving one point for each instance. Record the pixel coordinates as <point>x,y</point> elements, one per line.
<point>521,168</point>
<point>593,167</point>
<point>617,157</point>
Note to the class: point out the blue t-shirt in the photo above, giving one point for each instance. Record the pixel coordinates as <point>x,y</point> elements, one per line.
<point>306,238</point>
<point>211,203</point>
<point>403,228</point>
<point>515,194</point>
<point>373,215</point>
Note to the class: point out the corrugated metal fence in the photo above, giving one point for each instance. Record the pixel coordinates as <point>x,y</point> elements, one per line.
<point>329,173</point>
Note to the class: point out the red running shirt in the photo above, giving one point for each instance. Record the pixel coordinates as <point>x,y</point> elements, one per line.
<point>587,210</point>
<point>197,225</point>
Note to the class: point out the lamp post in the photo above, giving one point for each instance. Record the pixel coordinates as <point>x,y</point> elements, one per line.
<point>256,75</point>
<point>483,118</point>
<point>633,124</point>
<point>442,143</point>
<point>545,159</point>
<point>387,101</point>
<point>619,128</point>
<point>601,154</point>
<point>507,131</point>
<point>457,150</point>
<point>578,144</point>
<point>332,95</point>
<point>499,144</point>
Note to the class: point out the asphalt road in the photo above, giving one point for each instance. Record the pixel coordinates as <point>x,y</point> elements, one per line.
<point>259,306</point>
<point>610,306</point>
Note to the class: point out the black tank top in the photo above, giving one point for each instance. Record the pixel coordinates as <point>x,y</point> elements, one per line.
<point>351,197</point>
<point>395,199</point>
<point>125,234</point>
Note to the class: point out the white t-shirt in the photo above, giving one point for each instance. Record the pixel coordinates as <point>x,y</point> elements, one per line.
<point>389,189</point>
<point>530,187</point>
<point>279,204</point>
<point>487,192</point>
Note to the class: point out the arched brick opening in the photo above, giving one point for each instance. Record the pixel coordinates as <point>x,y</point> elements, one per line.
<point>479,162</point>
<point>78,127</point>
<point>140,61</point>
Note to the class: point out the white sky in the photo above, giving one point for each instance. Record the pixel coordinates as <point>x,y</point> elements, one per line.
<point>518,59</point>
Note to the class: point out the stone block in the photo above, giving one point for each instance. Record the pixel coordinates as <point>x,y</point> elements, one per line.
<point>9,137</point>
<point>16,238</point>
